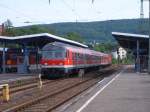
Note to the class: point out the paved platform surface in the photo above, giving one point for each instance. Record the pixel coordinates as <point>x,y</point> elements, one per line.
<point>124,92</point>
<point>12,77</point>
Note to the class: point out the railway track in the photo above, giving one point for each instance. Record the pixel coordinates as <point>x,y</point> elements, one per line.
<point>15,89</point>
<point>50,101</point>
<point>20,82</point>
<point>57,94</point>
<point>23,96</point>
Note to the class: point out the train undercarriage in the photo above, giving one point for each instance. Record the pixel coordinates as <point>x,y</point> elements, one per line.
<point>67,72</point>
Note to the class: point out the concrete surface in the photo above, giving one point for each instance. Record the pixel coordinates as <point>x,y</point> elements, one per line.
<point>4,78</point>
<point>125,92</point>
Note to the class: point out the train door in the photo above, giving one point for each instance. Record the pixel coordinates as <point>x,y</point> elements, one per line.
<point>73,58</point>
<point>69,56</point>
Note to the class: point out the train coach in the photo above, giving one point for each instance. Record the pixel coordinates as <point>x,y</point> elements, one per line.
<point>59,59</point>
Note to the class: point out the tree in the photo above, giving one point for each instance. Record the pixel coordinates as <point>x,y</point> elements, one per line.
<point>27,31</point>
<point>74,36</point>
<point>105,47</point>
<point>8,24</point>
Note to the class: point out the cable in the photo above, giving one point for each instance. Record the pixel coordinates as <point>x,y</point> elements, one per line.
<point>20,13</point>
<point>73,10</point>
<point>13,10</point>
<point>93,1</point>
<point>78,17</point>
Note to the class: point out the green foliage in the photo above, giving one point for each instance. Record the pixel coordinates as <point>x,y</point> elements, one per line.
<point>74,36</point>
<point>128,60</point>
<point>105,47</point>
<point>8,24</point>
<point>114,61</point>
<point>39,29</point>
<point>100,31</point>
<point>27,31</point>
<point>87,31</point>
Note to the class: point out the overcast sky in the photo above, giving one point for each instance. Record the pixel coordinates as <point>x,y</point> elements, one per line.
<point>23,12</point>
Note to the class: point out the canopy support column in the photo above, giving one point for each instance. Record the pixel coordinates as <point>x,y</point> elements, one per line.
<point>23,67</point>
<point>26,58</point>
<point>4,57</point>
<point>137,57</point>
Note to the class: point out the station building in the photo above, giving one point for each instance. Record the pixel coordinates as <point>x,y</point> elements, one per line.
<point>138,45</point>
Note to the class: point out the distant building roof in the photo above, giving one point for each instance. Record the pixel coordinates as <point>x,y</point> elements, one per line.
<point>40,39</point>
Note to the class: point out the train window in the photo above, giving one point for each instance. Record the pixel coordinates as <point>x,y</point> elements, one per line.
<point>47,55</point>
<point>59,54</point>
<point>54,54</point>
<point>74,56</point>
<point>67,54</point>
<point>51,51</point>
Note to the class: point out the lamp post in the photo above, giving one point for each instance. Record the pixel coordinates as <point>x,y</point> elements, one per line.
<point>142,15</point>
<point>149,42</point>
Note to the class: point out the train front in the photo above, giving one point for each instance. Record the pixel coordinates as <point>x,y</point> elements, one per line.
<point>53,60</point>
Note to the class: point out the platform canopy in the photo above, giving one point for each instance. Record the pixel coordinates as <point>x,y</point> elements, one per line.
<point>129,40</point>
<point>39,40</point>
<point>138,44</point>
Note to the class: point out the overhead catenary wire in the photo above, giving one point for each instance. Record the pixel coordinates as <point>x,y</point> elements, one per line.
<point>21,13</point>
<point>31,19</point>
<point>93,1</point>
<point>14,10</point>
<point>72,9</point>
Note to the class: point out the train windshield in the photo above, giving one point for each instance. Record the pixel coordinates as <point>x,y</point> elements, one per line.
<point>53,52</point>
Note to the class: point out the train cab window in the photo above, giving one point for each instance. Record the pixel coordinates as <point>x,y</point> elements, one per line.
<point>47,55</point>
<point>59,54</point>
<point>53,52</point>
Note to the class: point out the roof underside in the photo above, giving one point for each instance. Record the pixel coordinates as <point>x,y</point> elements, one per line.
<point>38,40</point>
<point>127,40</point>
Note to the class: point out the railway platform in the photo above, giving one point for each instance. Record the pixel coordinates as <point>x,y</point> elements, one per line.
<point>126,91</point>
<point>10,77</point>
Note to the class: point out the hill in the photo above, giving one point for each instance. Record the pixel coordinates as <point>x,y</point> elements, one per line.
<point>88,31</point>
<point>100,31</point>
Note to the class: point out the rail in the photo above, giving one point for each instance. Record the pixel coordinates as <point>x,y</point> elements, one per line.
<point>60,96</point>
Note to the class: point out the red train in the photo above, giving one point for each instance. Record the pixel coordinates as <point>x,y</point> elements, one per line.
<point>59,59</point>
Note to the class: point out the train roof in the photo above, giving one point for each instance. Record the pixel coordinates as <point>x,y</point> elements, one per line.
<point>75,48</point>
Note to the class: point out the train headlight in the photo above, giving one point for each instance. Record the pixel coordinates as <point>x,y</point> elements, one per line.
<point>68,61</point>
<point>45,64</point>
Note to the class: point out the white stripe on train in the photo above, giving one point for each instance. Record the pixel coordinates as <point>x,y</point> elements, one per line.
<point>72,66</point>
